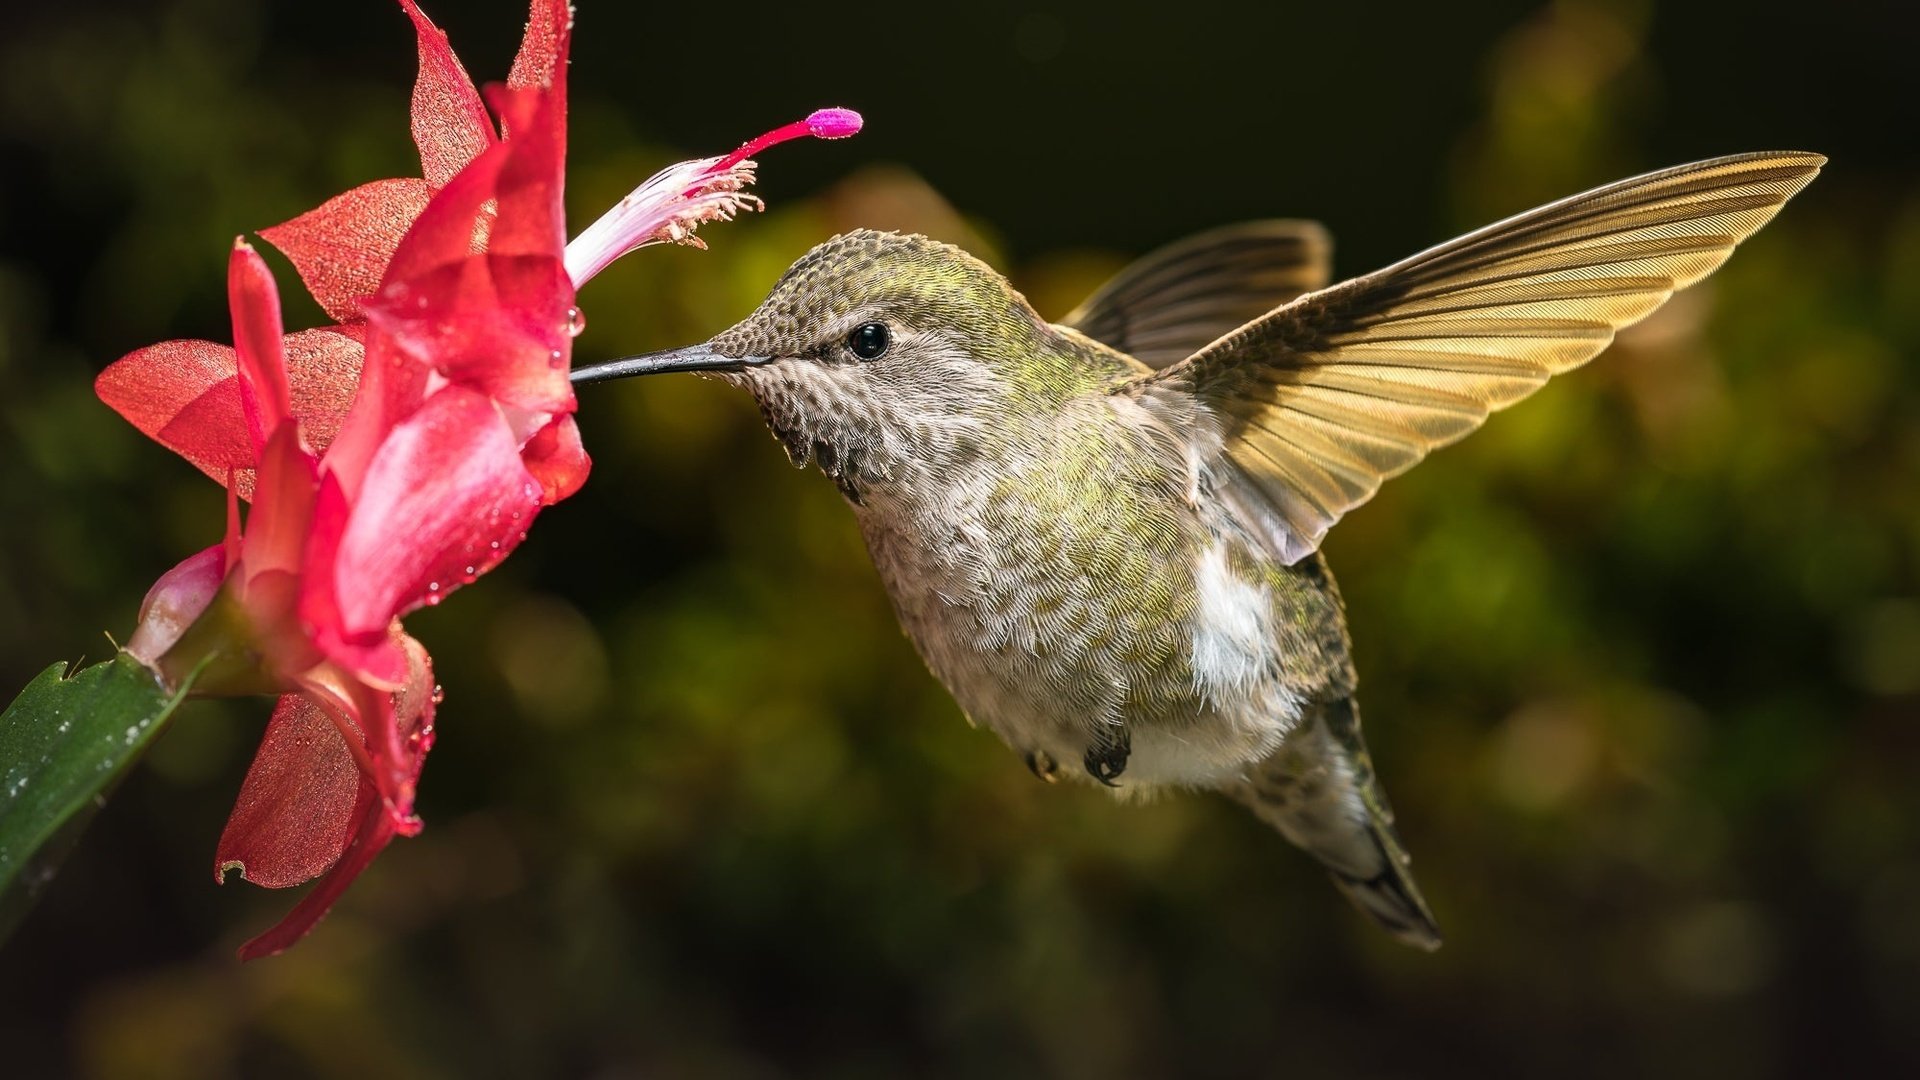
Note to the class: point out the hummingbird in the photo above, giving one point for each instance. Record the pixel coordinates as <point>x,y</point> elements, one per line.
<point>1103,534</point>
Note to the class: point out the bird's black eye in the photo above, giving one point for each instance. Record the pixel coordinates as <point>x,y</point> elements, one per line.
<point>869,341</point>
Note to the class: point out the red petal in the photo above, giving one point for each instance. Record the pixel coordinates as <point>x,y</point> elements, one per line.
<point>541,61</point>
<point>531,218</point>
<point>404,720</point>
<point>498,325</point>
<point>500,321</point>
<point>341,248</point>
<point>369,657</point>
<point>556,458</point>
<point>443,499</point>
<point>323,370</point>
<point>374,829</point>
<point>255,305</point>
<point>295,814</point>
<point>392,385</point>
<point>186,395</point>
<point>276,533</point>
<point>450,124</point>
<point>446,231</point>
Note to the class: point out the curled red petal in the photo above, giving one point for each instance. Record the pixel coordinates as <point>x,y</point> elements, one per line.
<point>296,811</point>
<point>450,124</point>
<point>255,304</point>
<point>186,396</point>
<point>443,499</point>
<point>557,459</point>
<point>342,247</point>
<point>277,527</point>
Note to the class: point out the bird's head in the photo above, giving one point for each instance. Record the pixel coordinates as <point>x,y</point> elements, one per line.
<point>881,355</point>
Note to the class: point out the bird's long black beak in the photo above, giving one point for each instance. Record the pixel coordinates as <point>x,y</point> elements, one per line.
<point>691,358</point>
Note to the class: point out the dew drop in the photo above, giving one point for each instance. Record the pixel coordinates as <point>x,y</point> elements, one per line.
<point>556,358</point>
<point>471,573</point>
<point>576,321</point>
<point>439,695</point>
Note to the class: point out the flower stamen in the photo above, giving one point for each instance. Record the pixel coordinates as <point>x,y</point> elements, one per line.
<point>672,203</point>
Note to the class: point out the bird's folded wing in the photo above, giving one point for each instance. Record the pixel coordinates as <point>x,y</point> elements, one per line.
<point>1168,304</point>
<point>1328,396</point>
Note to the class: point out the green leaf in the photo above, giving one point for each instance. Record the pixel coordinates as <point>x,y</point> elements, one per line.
<point>63,742</point>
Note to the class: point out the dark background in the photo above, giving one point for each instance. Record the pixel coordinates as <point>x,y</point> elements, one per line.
<point>1641,661</point>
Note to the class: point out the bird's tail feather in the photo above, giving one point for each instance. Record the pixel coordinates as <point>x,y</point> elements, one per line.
<point>1319,791</point>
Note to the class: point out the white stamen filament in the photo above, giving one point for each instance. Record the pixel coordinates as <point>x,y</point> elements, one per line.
<point>666,208</point>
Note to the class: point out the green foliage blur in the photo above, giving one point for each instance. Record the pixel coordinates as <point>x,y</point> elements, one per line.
<point>1640,661</point>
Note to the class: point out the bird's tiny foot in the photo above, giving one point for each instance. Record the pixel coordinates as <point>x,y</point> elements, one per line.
<point>1107,757</point>
<point>1043,766</point>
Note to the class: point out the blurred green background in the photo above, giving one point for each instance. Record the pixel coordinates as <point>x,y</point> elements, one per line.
<point>1640,661</point>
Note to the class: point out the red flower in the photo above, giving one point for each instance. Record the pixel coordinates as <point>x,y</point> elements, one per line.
<point>389,458</point>
<point>371,495</point>
<point>186,393</point>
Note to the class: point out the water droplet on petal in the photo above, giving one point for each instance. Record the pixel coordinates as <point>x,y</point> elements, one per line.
<point>439,695</point>
<point>576,321</point>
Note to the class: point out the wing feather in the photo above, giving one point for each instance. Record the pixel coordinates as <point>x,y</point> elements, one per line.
<point>1168,304</point>
<point>1323,399</point>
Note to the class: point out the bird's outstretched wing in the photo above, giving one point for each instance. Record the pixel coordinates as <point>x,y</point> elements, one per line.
<point>1168,304</point>
<point>1320,401</point>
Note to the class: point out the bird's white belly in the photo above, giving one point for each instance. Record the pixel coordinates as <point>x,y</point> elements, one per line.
<point>1198,697</point>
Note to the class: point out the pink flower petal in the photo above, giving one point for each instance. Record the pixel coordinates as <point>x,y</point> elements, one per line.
<point>341,247</point>
<point>368,657</point>
<point>175,601</point>
<point>444,498</point>
<point>450,124</point>
<point>296,811</point>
